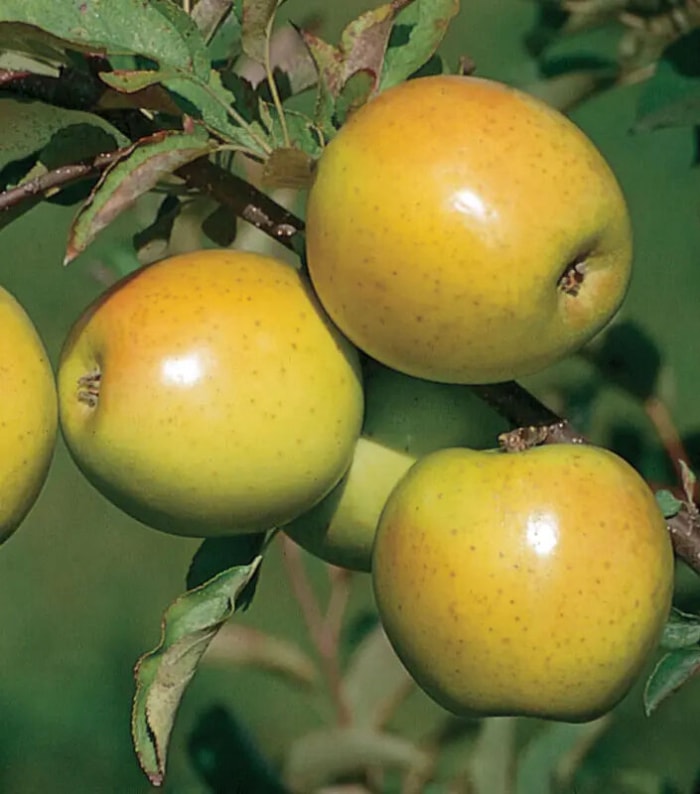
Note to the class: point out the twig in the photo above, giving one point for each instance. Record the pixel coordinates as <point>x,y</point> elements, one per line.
<point>325,642</point>
<point>246,201</point>
<point>668,434</point>
<point>57,178</point>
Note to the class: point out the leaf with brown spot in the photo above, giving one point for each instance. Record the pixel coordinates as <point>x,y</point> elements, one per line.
<point>217,590</point>
<point>256,18</point>
<point>123,182</point>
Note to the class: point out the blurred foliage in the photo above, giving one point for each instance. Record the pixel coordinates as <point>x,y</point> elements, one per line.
<point>82,586</point>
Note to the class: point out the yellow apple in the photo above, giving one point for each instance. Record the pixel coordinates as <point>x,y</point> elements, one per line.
<point>28,414</point>
<point>532,583</point>
<point>208,394</point>
<point>405,418</point>
<point>462,231</point>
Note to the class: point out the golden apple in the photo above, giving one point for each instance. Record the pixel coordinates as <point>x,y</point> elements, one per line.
<point>532,583</point>
<point>462,231</point>
<point>28,414</point>
<point>405,418</point>
<point>208,394</point>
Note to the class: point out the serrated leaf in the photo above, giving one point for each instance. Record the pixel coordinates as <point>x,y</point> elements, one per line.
<point>681,630</point>
<point>326,755</point>
<point>137,172</point>
<point>157,29</point>
<point>374,680</point>
<point>669,675</point>
<point>162,675</point>
<point>257,16</point>
<point>541,762</point>
<point>427,22</point>
<point>247,646</point>
<point>364,41</point>
<point>668,504</point>
<point>362,49</point>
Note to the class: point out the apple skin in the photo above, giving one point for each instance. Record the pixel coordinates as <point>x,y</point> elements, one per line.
<point>28,415</point>
<point>227,402</point>
<point>441,220</point>
<point>533,583</point>
<point>405,418</point>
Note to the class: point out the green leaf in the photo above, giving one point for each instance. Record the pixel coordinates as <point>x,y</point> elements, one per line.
<point>354,93</point>
<point>672,97</point>
<point>157,29</point>
<point>323,756</point>
<point>128,82</point>
<point>137,172</point>
<point>681,630</point>
<point>227,43</point>
<point>547,758</point>
<point>28,127</point>
<point>212,103</point>
<point>374,680</point>
<point>162,675</point>
<point>216,555</point>
<point>362,49</point>
<point>209,16</point>
<point>258,16</point>
<point>669,675</point>
<point>222,751</point>
<point>419,29</point>
<point>668,504</point>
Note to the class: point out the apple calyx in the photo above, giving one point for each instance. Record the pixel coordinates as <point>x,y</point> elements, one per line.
<point>89,388</point>
<point>573,276</point>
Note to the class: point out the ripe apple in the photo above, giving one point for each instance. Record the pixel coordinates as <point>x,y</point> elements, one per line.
<point>531,583</point>
<point>208,394</point>
<point>28,414</point>
<point>405,418</point>
<point>462,231</point>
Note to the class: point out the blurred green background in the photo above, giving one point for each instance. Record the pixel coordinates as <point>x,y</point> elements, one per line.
<point>83,587</point>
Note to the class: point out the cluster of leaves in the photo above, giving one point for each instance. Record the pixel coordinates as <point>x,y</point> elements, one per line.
<point>658,43</point>
<point>165,88</point>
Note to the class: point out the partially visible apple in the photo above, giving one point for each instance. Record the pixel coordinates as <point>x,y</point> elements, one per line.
<point>405,418</point>
<point>208,394</point>
<point>28,414</point>
<point>463,231</point>
<point>532,583</point>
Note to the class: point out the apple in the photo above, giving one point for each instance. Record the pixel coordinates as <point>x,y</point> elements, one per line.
<point>208,394</point>
<point>463,231</point>
<point>405,418</point>
<point>28,415</point>
<point>531,583</point>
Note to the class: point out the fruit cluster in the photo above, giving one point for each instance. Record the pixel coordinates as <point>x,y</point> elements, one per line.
<point>459,232</point>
